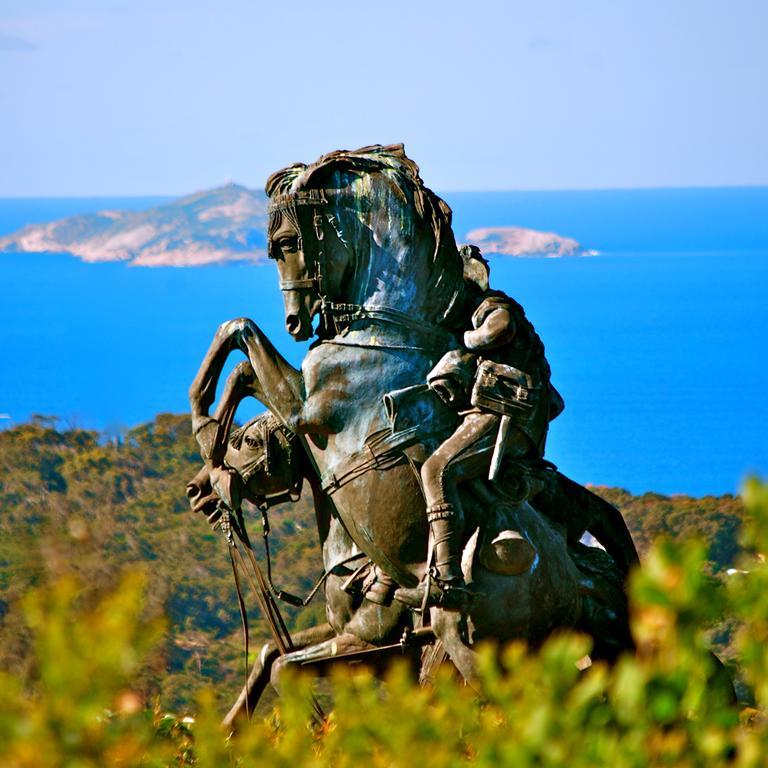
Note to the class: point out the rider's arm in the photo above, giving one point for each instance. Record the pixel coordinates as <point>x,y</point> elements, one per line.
<point>497,329</point>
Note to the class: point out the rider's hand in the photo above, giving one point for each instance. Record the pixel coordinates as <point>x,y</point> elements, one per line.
<point>449,391</point>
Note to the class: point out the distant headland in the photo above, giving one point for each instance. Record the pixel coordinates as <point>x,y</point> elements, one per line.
<point>220,225</point>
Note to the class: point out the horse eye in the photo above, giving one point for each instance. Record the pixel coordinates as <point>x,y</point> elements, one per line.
<point>252,442</point>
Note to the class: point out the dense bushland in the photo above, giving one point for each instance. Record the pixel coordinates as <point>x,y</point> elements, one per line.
<point>74,503</point>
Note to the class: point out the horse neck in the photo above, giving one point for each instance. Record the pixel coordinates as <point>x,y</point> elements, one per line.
<point>405,279</point>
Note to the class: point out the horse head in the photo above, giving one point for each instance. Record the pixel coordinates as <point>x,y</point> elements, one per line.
<point>262,464</point>
<point>357,233</point>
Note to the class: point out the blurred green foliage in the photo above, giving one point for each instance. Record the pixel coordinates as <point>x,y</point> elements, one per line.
<point>75,503</point>
<point>116,605</point>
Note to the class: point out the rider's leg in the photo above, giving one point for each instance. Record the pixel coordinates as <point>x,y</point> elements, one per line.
<point>379,586</point>
<point>464,455</point>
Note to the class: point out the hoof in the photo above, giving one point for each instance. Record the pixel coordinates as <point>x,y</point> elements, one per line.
<point>508,554</point>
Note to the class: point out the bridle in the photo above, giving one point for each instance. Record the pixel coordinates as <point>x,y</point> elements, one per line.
<point>288,206</point>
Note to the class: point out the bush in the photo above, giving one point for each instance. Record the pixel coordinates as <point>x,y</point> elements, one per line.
<point>665,705</point>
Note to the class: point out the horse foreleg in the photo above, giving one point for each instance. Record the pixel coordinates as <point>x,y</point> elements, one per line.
<point>275,382</point>
<point>212,433</point>
<point>267,366</point>
<point>281,386</point>
<point>202,391</point>
<point>261,673</point>
<point>241,383</point>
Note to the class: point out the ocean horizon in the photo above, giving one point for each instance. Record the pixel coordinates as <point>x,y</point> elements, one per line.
<point>657,344</point>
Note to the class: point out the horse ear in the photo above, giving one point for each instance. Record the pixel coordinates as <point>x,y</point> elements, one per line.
<point>319,172</point>
<point>393,150</point>
<point>282,178</point>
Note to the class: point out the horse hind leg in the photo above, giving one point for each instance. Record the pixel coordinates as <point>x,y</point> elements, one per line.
<point>450,627</point>
<point>261,673</point>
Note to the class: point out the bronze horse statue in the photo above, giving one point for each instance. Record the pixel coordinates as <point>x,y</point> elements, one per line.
<point>368,262</point>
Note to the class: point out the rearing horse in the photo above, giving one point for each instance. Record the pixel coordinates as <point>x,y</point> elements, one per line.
<point>361,243</point>
<point>358,240</point>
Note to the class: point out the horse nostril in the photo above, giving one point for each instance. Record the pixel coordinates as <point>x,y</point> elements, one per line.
<point>292,323</point>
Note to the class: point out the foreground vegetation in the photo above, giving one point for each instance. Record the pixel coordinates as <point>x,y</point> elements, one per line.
<point>117,608</point>
<point>74,503</point>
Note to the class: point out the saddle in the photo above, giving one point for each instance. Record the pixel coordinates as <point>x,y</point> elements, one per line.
<point>416,417</point>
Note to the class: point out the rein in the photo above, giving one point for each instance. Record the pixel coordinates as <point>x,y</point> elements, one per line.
<point>269,609</point>
<point>344,315</point>
<point>281,594</point>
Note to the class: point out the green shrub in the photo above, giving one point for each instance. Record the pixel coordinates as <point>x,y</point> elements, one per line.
<point>665,705</point>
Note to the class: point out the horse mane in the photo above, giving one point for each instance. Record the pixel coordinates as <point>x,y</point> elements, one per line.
<point>341,167</point>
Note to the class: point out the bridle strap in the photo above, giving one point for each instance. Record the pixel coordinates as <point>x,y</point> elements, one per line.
<point>295,285</point>
<point>317,282</point>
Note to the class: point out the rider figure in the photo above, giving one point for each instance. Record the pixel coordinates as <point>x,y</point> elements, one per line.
<point>499,383</point>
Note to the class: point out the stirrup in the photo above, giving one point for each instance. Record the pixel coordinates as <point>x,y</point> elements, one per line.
<point>453,597</point>
<point>450,595</point>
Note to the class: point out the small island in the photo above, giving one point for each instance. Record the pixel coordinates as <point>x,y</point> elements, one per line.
<point>519,241</point>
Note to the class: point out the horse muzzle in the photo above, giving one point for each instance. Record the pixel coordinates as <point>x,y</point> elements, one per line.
<point>299,327</point>
<point>300,307</point>
<point>202,497</point>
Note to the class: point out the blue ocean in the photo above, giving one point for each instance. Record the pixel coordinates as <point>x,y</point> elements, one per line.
<point>658,344</point>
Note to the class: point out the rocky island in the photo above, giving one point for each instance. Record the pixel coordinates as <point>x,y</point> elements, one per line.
<point>519,241</point>
<point>224,224</point>
<point>220,225</point>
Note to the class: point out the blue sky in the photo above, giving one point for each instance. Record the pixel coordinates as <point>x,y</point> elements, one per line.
<point>168,97</point>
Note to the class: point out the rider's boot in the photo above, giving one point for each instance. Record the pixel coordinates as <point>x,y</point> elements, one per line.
<point>452,593</point>
<point>379,587</point>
